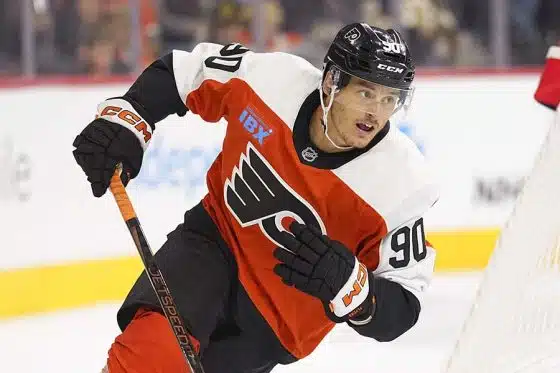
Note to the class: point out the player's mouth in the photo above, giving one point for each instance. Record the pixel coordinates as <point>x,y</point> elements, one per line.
<point>365,126</point>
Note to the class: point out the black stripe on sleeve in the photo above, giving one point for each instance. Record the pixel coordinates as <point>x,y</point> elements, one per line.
<point>154,93</point>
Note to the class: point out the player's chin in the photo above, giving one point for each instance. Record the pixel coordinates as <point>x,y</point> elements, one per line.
<point>358,143</point>
<point>361,140</point>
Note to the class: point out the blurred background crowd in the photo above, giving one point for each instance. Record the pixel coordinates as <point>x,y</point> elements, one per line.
<point>113,37</point>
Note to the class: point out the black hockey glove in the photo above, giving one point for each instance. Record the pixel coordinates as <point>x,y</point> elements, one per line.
<point>119,134</point>
<point>327,270</point>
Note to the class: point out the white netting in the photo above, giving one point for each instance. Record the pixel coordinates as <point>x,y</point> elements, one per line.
<point>514,325</point>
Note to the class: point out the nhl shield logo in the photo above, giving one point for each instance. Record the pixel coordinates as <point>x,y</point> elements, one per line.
<point>309,154</point>
<point>352,35</point>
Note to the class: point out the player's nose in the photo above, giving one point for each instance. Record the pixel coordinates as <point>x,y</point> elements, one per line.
<point>373,108</point>
<point>371,117</point>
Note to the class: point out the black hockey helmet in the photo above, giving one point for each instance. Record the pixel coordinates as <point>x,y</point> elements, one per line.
<point>373,54</point>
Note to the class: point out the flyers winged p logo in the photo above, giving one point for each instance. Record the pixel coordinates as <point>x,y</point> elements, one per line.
<point>353,35</point>
<point>256,194</point>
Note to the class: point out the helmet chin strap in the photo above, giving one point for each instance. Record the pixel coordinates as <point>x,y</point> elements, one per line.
<point>325,114</point>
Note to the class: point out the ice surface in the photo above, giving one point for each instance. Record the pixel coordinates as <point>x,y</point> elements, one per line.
<point>77,340</point>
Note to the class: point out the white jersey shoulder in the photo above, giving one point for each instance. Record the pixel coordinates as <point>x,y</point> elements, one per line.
<point>281,80</point>
<point>393,178</point>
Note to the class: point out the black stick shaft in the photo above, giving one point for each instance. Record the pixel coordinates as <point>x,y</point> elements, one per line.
<point>159,285</point>
<point>164,296</point>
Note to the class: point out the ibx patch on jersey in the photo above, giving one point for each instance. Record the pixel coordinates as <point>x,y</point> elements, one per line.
<point>254,125</point>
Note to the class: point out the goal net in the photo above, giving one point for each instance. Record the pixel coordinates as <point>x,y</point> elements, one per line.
<point>514,324</point>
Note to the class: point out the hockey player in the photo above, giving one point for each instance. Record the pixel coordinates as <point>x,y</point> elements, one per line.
<point>314,208</point>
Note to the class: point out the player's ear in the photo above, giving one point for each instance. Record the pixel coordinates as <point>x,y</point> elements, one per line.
<point>328,82</point>
<point>332,80</point>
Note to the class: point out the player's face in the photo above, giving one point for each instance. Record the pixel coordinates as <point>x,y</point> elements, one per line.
<point>360,110</point>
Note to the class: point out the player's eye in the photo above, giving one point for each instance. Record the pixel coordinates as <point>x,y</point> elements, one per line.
<point>389,100</point>
<point>364,93</point>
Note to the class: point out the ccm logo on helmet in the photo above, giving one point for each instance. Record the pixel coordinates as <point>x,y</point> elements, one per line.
<point>393,69</point>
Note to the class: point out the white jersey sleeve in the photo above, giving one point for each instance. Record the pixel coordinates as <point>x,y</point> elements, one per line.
<point>407,258</point>
<point>207,61</point>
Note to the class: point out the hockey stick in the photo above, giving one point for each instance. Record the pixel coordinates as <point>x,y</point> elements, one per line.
<point>154,274</point>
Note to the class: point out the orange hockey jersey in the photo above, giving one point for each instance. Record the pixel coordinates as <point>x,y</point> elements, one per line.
<point>371,200</point>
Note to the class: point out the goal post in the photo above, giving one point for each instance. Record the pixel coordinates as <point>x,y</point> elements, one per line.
<point>514,323</point>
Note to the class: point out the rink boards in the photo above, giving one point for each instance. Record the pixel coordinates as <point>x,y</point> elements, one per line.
<point>64,248</point>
